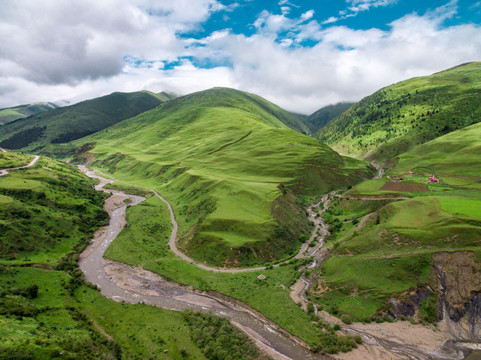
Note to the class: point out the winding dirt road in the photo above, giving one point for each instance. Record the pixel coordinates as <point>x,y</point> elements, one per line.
<point>175,227</point>
<point>4,172</point>
<point>130,284</point>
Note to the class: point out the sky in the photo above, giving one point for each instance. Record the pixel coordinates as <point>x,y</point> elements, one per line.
<point>301,55</point>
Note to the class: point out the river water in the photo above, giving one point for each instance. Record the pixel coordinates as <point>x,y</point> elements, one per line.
<point>138,286</point>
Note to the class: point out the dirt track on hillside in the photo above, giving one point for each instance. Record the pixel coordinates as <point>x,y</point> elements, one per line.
<point>4,172</point>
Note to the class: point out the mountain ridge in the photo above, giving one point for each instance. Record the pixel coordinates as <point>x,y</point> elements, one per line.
<point>243,166</point>
<point>408,113</point>
<point>72,122</point>
<point>13,113</point>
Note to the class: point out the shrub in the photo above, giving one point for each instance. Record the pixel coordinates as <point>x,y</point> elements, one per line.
<point>346,319</point>
<point>310,308</point>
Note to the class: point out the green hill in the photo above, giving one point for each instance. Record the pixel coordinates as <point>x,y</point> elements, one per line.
<point>72,122</point>
<point>46,210</point>
<point>232,169</point>
<point>323,116</point>
<point>457,153</point>
<point>399,235</point>
<point>22,111</point>
<point>48,214</point>
<point>412,112</point>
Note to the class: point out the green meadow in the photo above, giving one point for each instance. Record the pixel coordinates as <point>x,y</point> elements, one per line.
<point>85,325</point>
<point>46,211</point>
<point>231,168</point>
<point>392,252</point>
<point>12,160</point>
<point>145,242</point>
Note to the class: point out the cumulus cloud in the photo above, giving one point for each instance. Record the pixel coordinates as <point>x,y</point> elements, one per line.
<point>57,42</point>
<point>54,50</point>
<point>357,6</point>
<point>346,64</point>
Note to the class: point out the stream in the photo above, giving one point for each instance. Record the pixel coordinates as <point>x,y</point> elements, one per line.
<point>129,284</point>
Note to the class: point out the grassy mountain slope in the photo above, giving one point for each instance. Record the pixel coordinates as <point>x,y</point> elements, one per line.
<point>75,121</point>
<point>412,112</point>
<point>323,116</point>
<point>232,169</point>
<point>393,252</point>
<point>22,111</point>
<point>46,211</point>
<point>456,153</point>
<point>47,215</point>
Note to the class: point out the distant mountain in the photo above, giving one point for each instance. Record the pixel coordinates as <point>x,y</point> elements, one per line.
<point>162,96</point>
<point>232,168</point>
<point>72,122</point>
<point>22,111</point>
<point>412,112</point>
<point>323,116</point>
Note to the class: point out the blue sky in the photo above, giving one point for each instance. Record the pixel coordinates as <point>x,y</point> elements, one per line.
<point>241,15</point>
<point>299,54</point>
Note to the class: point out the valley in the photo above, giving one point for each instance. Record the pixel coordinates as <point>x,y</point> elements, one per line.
<point>220,202</point>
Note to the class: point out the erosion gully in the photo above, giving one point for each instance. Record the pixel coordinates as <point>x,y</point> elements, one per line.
<point>129,284</point>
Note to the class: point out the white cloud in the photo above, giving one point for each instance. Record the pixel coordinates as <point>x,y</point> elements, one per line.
<point>58,41</point>
<point>98,47</point>
<point>307,15</point>
<point>346,64</point>
<point>357,6</point>
<point>364,5</point>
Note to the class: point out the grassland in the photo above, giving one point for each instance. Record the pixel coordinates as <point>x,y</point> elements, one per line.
<point>46,211</point>
<point>412,112</point>
<point>393,251</point>
<point>85,325</point>
<point>47,313</point>
<point>231,168</point>
<point>12,160</point>
<point>456,154</point>
<point>62,125</point>
<point>145,242</point>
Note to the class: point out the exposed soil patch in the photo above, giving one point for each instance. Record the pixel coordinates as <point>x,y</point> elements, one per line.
<point>404,187</point>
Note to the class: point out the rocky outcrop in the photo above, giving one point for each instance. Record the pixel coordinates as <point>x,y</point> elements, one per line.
<point>408,303</point>
<point>458,279</point>
<point>456,286</point>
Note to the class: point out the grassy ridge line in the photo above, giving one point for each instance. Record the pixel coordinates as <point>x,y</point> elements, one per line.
<point>412,112</point>
<point>68,123</point>
<point>236,193</point>
<point>22,111</point>
<point>323,116</point>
